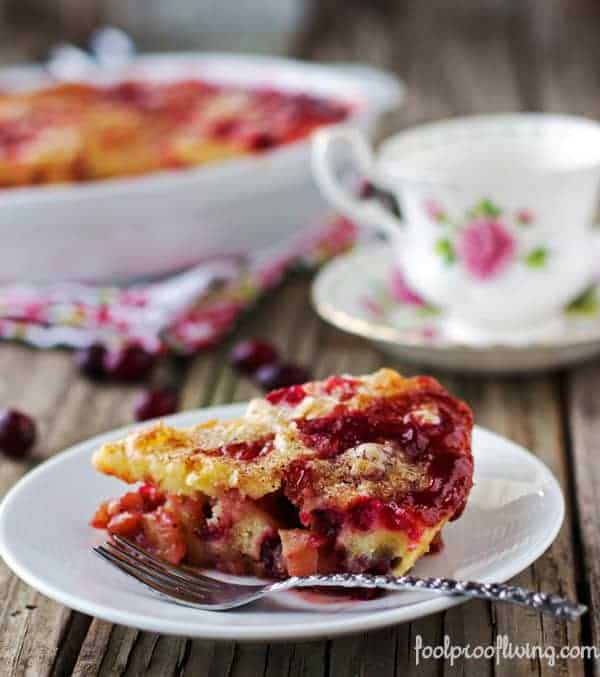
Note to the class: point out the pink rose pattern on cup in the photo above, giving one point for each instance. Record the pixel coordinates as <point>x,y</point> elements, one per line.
<point>486,241</point>
<point>485,247</point>
<point>401,292</point>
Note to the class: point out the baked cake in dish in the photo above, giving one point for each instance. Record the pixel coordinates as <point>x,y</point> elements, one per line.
<point>81,132</point>
<point>349,474</point>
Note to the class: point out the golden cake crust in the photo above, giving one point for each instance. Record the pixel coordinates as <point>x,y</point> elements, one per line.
<point>185,461</point>
<point>371,467</point>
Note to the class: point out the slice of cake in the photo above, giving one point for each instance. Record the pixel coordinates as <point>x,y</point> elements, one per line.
<point>346,474</point>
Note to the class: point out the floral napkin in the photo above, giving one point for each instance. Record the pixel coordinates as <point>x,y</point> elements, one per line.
<point>184,313</point>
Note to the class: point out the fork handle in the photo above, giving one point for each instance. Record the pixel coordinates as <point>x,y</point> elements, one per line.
<point>554,605</point>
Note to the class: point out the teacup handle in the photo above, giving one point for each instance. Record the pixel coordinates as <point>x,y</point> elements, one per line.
<point>369,212</point>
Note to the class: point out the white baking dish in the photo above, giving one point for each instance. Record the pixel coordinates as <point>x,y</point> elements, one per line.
<point>150,225</point>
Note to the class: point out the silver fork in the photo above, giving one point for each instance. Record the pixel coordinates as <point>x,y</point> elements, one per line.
<point>184,585</point>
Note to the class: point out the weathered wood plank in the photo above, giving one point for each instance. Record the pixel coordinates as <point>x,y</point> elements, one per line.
<point>528,411</point>
<point>249,660</point>
<point>583,392</point>
<point>209,658</point>
<point>92,650</point>
<point>557,50</point>
<point>116,652</point>
<point>66,409</point>
<point>565,80</point>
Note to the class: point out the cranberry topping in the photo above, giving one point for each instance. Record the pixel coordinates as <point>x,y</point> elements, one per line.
<point>342,387</point>
<point>452,478</point>
<point>371,513</point>
<point>17,433</point>
<point>333,434</point>
<point>385,420</point>
<point>439,444</point>
<point>292,395</point>
<point>245,451</point>
<point>297,480</point>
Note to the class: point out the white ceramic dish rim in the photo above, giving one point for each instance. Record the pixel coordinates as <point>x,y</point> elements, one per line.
<point>491,126</point>
<point>341,82</point>
<point>375,331</point>
<point>328,628</point>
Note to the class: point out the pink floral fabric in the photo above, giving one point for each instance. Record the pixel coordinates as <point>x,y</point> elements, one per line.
<point>486,247</point>
<point>186,313</point>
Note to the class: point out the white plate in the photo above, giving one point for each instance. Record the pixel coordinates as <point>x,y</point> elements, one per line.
<point>514,513</point>
<point>354,293</point>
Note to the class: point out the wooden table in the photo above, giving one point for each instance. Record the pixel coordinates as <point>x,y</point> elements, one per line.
<point>459,57</point>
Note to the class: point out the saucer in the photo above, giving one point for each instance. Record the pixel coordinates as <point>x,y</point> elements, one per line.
<point>362,294</point>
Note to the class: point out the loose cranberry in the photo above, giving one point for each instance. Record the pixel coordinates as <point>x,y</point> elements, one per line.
<point>17,433</point>
<point>155,403</point>
<point>91,360</point>
<point>249,355</point>
<point>281,375</point>
<point>131,363</point>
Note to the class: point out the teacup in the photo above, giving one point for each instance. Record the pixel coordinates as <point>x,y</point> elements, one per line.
<point>498,211</point>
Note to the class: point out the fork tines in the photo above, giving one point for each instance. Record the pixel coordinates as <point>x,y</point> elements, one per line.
<point>174,582</point>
